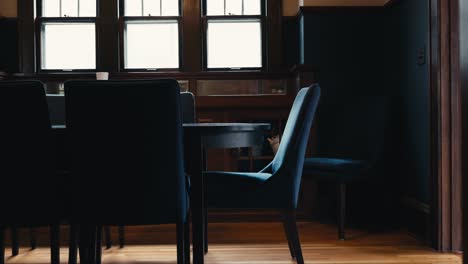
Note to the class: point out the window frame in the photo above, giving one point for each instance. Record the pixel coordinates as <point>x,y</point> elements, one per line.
<point>39,35</point>
<point>122,22</point>
<point>264,37</point>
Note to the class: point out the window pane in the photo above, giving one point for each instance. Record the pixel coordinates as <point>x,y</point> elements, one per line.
<point>87,8</point>
<point>68,46</point>
<point>252,7</point>
<point>226,51</point>
<point>133,8</point>
<point>152,45</point>
<point>234,7</point>
<point>170,7</point>
<point>51,8</point>
<point>152,7</point>
<point>215,7</point>
<point>69,8</point>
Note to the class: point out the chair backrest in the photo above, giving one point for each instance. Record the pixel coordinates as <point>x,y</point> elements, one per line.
<point>289,159</point>
<point>355,127</point>
<point>126,142</point>
<point>56,103</point>
<point>27,153</point>
<point>187,104</point>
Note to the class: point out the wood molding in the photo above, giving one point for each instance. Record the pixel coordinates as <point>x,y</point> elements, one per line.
<point>391,3</point>
<point>445,126</point>
<point>245,101</point>
<point>456,127</point>
<point>414,204</point>
<point>463,56</point>
<point>417,218</point>
<point>307,10</point>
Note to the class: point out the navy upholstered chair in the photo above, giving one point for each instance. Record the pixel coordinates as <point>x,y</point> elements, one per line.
<point>126,138</point>
<point>187,108</point>
<point>56,104</point>
<point>27,164</point>
<point>351,146</point>
<point>277,185</point>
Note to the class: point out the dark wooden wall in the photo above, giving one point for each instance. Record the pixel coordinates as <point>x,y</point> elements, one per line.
<point>406,75</point>
<point>8,45</point>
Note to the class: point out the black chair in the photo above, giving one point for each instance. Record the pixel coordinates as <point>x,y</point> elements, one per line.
<point>187,107</point>
<point>277,185</point>
<point>126,138</point>
<point>56,104</point>
<point>351,146</point>
<point>27,164</point>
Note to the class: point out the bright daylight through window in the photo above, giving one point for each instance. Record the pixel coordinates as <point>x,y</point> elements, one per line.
<point>234,34</point>
<point>151,34</point>
<point>68,34</point>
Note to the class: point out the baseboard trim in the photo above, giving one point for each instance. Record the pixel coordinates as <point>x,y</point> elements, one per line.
<point>415,204</point>
<point>416,217</point>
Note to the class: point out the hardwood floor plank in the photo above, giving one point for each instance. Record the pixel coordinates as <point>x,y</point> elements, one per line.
<point>251,243</point>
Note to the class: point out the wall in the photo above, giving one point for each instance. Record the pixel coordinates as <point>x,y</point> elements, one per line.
<point>346,45</point>
<point>407,30</point>
<point>375,53</point>
<point>8,8</point>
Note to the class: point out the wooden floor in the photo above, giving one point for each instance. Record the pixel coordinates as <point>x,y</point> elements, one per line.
<point>256,243</point>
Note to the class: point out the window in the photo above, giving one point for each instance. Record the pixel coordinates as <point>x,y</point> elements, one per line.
<point>67,35</point>
<point>150,34</point>
<point>234,36</point>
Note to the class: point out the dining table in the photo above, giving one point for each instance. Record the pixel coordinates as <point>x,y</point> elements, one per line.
<point>198,138</point>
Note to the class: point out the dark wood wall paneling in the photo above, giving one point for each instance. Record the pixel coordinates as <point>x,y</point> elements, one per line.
<point>26,36</point>
<point>108,35</point>
<point>346,45</point>
<point>8,45</point>
<point>407,74</point>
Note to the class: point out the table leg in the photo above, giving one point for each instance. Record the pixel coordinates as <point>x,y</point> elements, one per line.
<point>205,207</point>
<point>194,161</point>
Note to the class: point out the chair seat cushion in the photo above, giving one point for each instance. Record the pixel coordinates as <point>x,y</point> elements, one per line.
<point>334,169</point>
<point>232,189</point>
<point>235,180</point>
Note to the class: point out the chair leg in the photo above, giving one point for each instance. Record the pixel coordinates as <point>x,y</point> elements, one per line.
<point>290,220</point>
<point>55,244</point>
<point>93,245</point>
<point>341,210</point>
<point>33,237</point>
<point>288,235</point>
<point>73,244</point>
<point>14,241</point>
<point>2,244</point>
<point>205,229</point>
<point>187,240</point>
<point>87,243</point>
<point>99,245</point>
<point>180,242</point>
<point>107,235</point>
<point>122,236</point>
